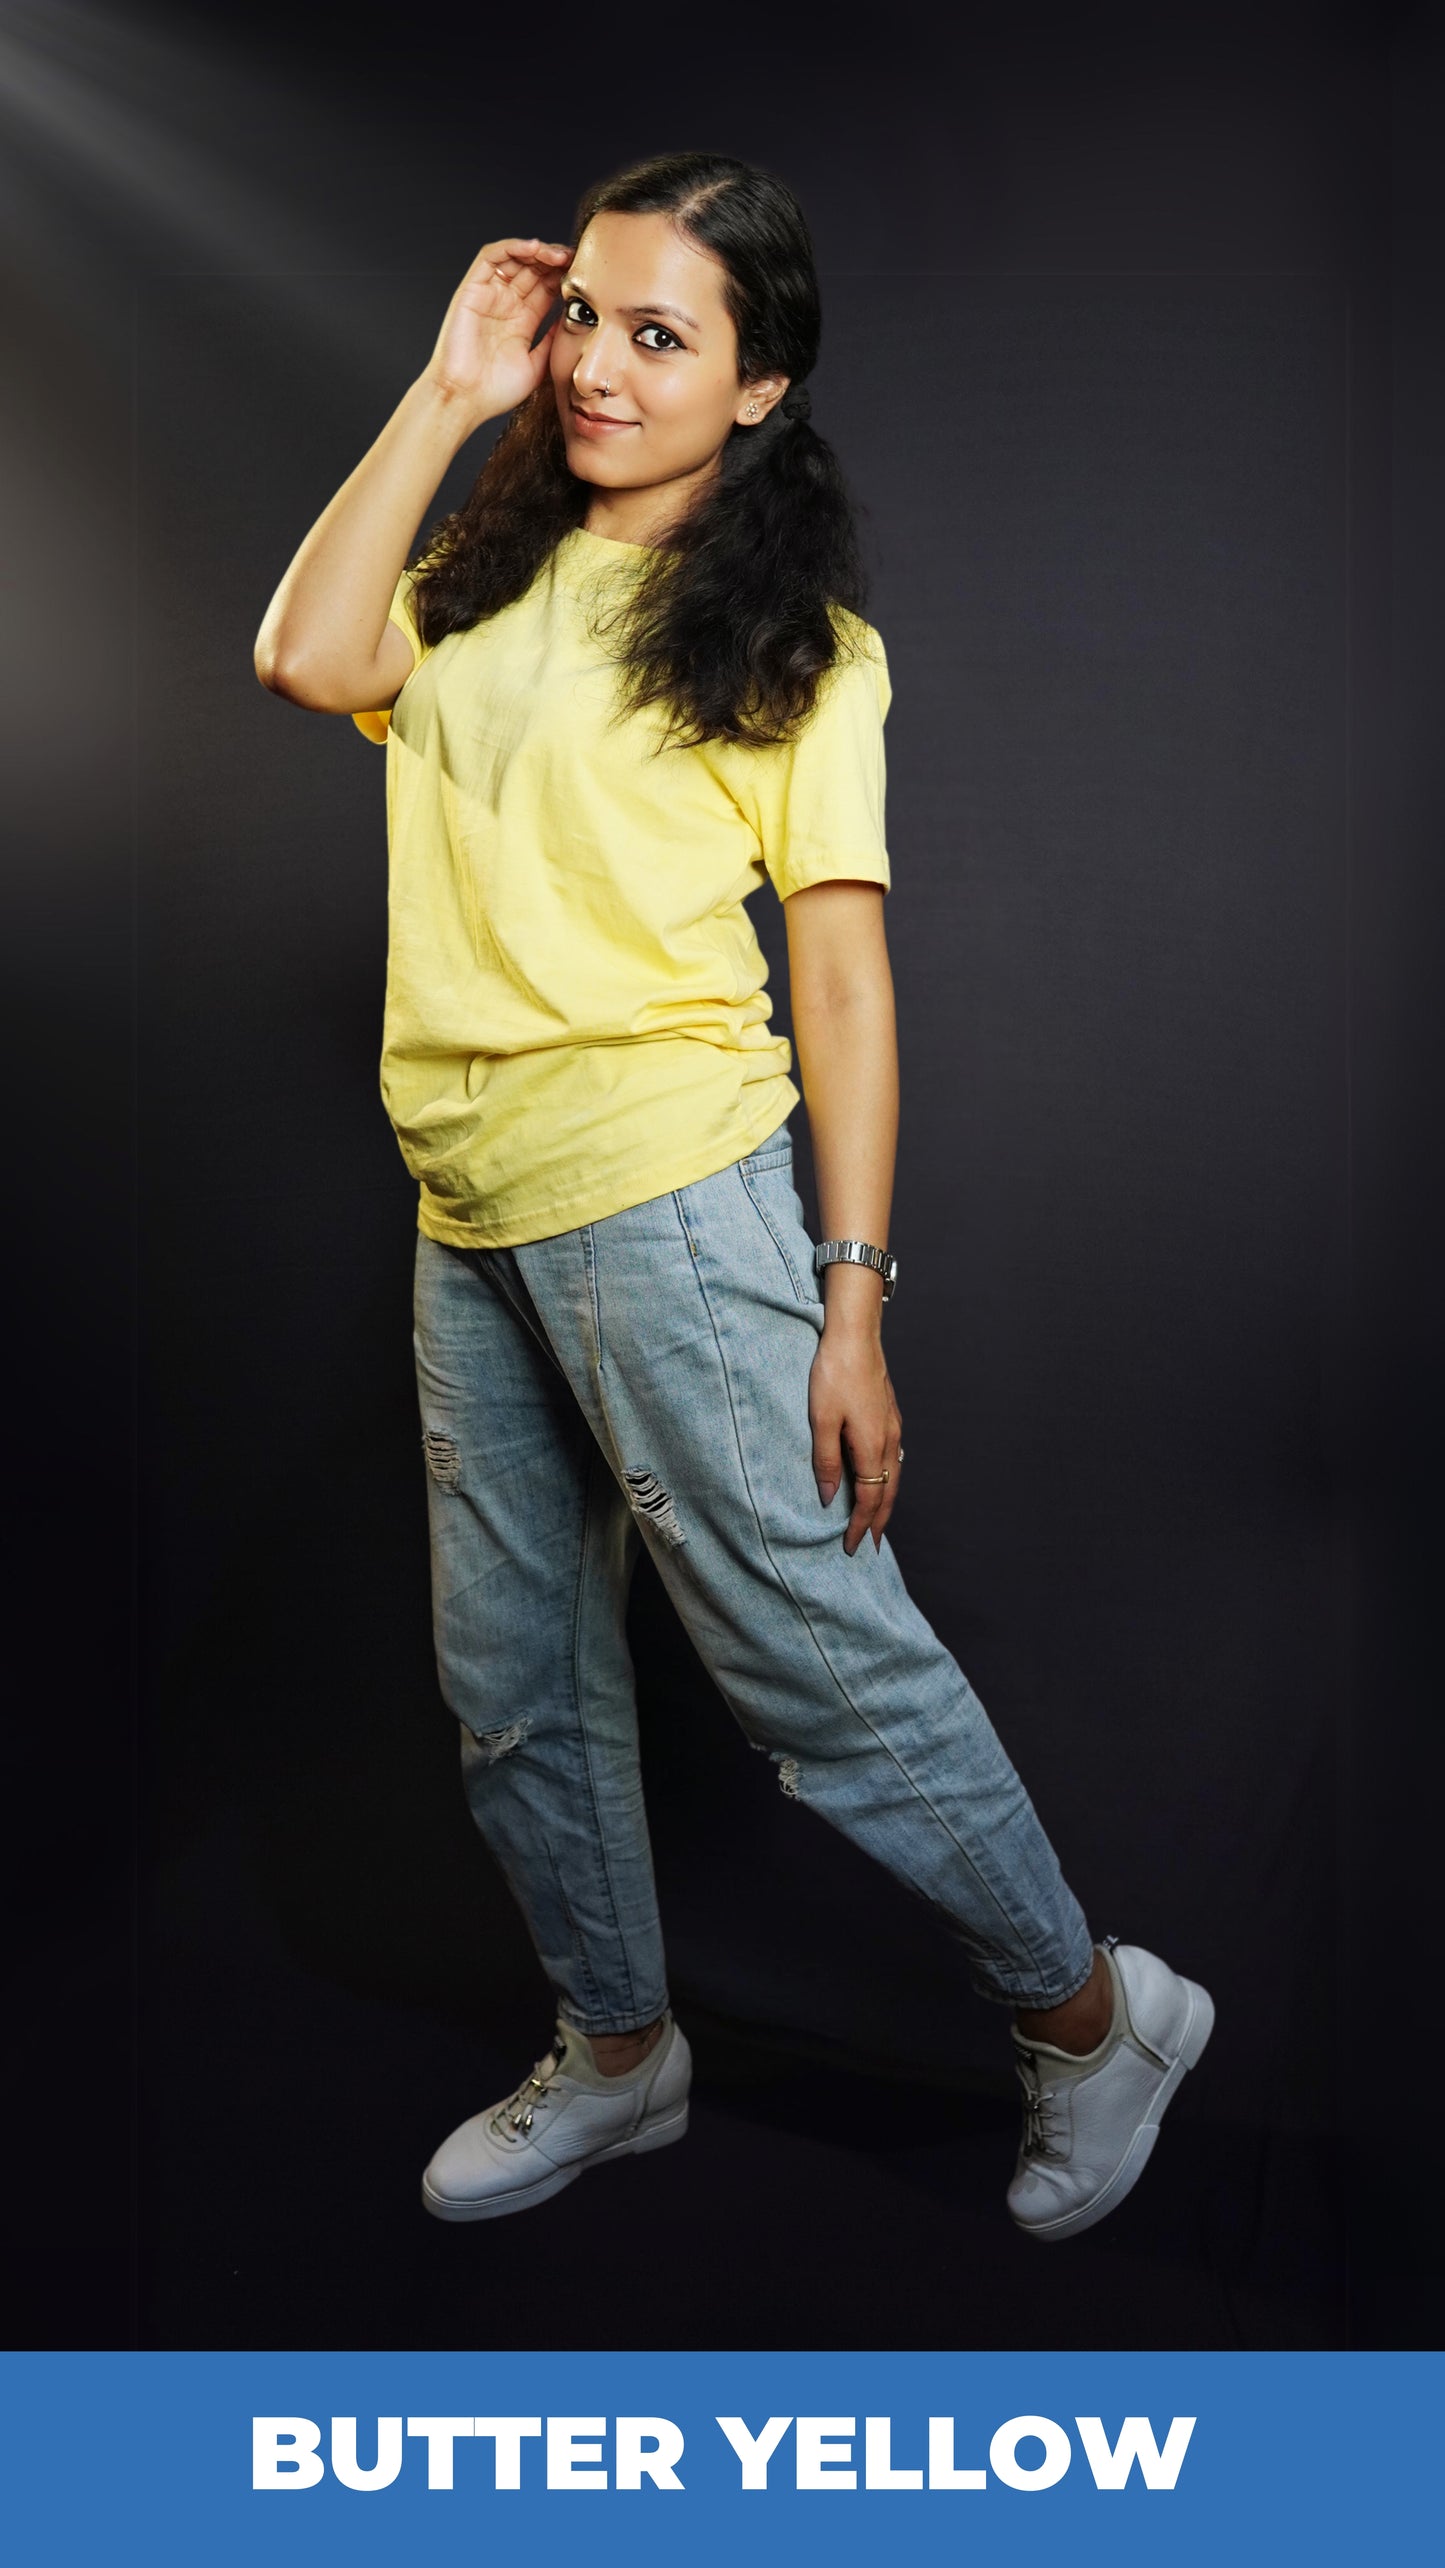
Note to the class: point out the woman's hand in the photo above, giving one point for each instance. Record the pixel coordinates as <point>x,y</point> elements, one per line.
<point>484,358</point>
<point>852,1410</point>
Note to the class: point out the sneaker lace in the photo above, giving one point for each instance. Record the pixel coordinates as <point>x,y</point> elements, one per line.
<point>1042,2130</point>
<point>513,2117</point>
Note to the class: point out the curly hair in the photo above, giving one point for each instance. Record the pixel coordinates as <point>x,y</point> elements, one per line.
<point>732,622</point>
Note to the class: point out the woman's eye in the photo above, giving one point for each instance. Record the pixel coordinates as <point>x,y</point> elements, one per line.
<point>580,313</point>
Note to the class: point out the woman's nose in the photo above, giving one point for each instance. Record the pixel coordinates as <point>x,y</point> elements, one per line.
<point>599,363</point>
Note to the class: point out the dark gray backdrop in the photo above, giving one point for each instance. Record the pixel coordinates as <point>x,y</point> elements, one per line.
<point>1106,357</point>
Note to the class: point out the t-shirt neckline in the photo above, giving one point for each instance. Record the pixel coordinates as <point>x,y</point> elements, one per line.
<point>613,543</point>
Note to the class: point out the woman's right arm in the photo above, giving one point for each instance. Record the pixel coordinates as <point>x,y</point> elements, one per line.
<point>325,641</point>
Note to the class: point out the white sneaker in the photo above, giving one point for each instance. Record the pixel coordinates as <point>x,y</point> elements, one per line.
<point>1090,2121</point>
<point>561,2120</point>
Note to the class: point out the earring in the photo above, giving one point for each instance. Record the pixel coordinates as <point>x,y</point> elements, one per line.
<point>752,410</point>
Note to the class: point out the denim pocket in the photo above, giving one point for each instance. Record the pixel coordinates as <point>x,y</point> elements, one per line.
<point>775,1152</point>
<point>768,1176</point>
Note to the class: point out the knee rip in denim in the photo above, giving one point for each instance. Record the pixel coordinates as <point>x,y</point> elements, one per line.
<point>491,1745</point>
<point>443,1457</point>
<point>649,1499</point>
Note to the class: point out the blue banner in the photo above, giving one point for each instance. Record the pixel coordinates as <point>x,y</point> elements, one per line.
<point>312,2458</point>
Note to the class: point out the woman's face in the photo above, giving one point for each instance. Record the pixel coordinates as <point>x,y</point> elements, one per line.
<point>643,313</point>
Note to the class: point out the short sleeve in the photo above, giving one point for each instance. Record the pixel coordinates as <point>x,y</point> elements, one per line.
<point>375,726</point>
<point>817,802</point>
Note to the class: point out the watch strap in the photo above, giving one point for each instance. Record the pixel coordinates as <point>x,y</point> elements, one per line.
<point>858,1252</point>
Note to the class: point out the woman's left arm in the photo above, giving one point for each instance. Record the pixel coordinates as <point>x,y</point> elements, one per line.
<point>846,1042</point>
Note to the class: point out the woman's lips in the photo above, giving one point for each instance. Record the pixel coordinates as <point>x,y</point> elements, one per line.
<point>588,425</point>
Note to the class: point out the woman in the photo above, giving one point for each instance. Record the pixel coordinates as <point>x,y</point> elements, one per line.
<point>624,684</point>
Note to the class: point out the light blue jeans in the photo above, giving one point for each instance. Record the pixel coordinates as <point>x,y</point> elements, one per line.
<point>645,1379</point>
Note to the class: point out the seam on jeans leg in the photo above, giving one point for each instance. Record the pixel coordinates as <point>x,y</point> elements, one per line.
<point>594,1460</point>
<point>801,1611</point>
<point>589,1262</point>
<point>579,1949</point>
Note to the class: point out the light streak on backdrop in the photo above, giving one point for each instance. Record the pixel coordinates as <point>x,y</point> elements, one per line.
<point>104,116</point>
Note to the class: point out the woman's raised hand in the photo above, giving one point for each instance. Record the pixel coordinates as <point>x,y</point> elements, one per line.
<point>325,640</point>
<point>484,355</point>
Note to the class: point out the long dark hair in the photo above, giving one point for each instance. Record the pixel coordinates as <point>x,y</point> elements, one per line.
<point>730,623</point>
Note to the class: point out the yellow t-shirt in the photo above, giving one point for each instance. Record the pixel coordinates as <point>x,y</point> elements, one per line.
<point>576,1008</point>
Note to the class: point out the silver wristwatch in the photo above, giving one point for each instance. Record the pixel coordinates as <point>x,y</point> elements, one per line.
<point>858,1252</point>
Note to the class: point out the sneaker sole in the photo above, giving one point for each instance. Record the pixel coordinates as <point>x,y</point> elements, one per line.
<point>1199,2026</point>
<point>653,2134</point>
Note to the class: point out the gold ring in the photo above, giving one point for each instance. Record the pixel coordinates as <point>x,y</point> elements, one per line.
<point>870,1479</point>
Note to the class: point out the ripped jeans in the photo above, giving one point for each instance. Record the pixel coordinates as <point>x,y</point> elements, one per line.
<point>644,1379</point>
